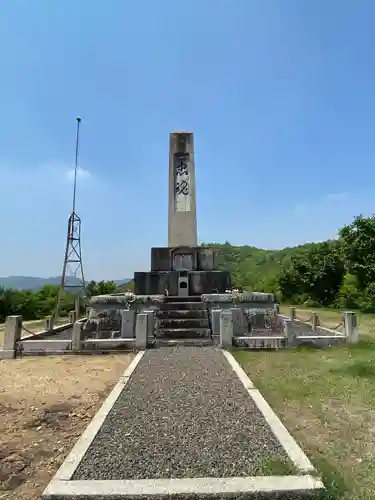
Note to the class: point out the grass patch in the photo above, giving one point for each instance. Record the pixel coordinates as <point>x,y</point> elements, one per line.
<point>326,399</point>
<point>274,466</point>
<point>362,369</point>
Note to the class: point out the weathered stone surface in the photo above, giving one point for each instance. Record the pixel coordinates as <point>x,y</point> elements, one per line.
<point>126,299</point>
<point>239,297</point>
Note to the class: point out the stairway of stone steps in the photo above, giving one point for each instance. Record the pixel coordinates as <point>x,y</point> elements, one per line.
<point>183,320</point>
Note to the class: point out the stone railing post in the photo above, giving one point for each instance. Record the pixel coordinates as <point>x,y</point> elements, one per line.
<point>289,333</point>
<point>48,323</point>
<point>12,334</point>
<point>150,323</point>
<point>141,330</point>
<point>226,329</point>
<point>238,320</point>
<point>292,313</point>
<point>128,324</point>
<point>314,321</point>
<point>72,316</point>
<point>351,327</point>
<point>77,337</point>
<point>215,321</point>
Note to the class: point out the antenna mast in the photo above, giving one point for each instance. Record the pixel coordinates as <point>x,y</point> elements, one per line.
<point>72,277</point>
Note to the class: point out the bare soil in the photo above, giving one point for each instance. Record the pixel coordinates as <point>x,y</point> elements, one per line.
<point>45,405</point>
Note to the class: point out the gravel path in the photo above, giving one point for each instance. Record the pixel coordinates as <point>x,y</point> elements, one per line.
<point>183,413</point>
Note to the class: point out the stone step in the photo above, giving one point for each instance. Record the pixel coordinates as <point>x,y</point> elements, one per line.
<point>182,313</point>
<point>182,306</point>
<point>184,323</point>
<point>183,342</point>
<point>183,333</point>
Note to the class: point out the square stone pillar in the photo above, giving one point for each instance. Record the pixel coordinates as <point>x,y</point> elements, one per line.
<point>77,336</point>
<point>314,321</point>
<point>150,323</point>
<point>226,329</point>
<point>182,217</point>
<point>127,324</point>
<point>141,330</point>
<point>351,327</point>
<point>238,321</point>
<point>215,321</point>
<point>292,313</point>
<point>72,316</point>
<point>48,323</point>
<point>12,334</point>
<point>289,333</point>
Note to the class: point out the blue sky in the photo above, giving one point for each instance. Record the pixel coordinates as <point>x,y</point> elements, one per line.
<point>279,94</point>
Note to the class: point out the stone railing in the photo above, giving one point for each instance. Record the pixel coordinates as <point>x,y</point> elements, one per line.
<point>247,328</point>
<point>17,332</point>
<point>113,316</point>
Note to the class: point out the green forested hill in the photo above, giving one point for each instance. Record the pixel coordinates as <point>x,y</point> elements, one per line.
<point>255,268</point>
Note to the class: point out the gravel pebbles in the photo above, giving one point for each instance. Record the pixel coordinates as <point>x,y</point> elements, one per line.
<point>183,413</point>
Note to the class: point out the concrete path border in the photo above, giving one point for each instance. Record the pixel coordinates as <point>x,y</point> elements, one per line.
<point>295,453</point>
<point>306,482</point>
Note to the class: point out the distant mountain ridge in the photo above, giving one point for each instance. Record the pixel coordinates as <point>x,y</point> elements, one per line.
<point>34,283</point>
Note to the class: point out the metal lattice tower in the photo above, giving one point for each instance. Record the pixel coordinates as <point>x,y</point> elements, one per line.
<point>72,277</point>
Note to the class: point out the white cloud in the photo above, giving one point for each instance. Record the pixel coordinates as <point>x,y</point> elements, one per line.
<point>336,196</point>
<point>82,174</point>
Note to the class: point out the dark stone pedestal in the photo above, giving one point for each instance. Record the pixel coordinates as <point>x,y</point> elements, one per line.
<point>199,282</point>
<point>182,271</point>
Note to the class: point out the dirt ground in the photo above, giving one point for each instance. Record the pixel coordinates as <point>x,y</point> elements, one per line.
<point>45,405</point>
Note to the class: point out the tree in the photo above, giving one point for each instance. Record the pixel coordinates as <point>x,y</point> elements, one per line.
<point>357,241</point>
<point>350,295</point>
<point>101,288</point>
<point>316,273</point>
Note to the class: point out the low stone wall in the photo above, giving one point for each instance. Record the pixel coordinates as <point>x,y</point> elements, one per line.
<point>292,334</point>
<point>106,312</point>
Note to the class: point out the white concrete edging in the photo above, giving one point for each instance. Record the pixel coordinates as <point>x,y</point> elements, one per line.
<point>148,488</point>
<point>74,458</point>
<point>293,450</point>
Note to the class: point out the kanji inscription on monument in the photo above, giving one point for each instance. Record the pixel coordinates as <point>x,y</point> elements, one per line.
<point>182,183</point>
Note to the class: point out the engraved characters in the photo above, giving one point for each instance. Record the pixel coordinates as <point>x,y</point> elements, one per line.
<point>182,186</point>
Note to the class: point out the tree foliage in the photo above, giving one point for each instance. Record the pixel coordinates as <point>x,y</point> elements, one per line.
<point>33,305</point>
<point>41,303</point>
<point>358,249</point>
<point>100,288</point>
<point>339,273</point>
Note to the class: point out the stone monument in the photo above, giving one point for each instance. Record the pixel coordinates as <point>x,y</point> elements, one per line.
<point>183,268</point>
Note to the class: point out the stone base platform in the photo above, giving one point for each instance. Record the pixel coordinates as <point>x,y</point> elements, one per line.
<point>188,423</point>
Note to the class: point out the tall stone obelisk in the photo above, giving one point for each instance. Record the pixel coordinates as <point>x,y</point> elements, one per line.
<point>182,212</point>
